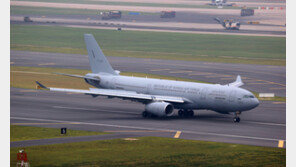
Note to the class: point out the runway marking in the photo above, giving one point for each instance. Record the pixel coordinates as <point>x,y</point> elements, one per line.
<point>160,69</point>
<point>277,88</point>
<point>130,139</point>
<point>45,64</point>
<point>146,128</point>
<point>278,102</point>
<point>114,131</point>
<point>43,73</point>
<point>271,82</point>
<point>257,83</point>
<point>177,72</point>
<point>266,123</point>
<point>177,135</point>
<point>202,73</point>
<point>212,76</point>
<point>28,91</point>
<point>226,78</point>
<point>281,143</point>
<point>90,109</point>
<point>42,123</point>
<point>71,93</point>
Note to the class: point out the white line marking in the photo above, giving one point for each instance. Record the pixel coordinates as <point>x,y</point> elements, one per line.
<point>145,128</point>
<point>33,72</point>
<point>89,109</point>
<point>266,123</point>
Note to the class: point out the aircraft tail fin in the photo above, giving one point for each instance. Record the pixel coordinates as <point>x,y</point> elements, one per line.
<point>97,59</point>
<point>238,82</point>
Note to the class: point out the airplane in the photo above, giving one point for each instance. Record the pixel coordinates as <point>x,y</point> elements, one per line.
<point>220,3</point>
<point>229,24</point>
<point>160,96</point>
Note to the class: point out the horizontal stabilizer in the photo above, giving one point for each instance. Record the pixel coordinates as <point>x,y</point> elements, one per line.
<point>41,86</point>
<point>79,76</point>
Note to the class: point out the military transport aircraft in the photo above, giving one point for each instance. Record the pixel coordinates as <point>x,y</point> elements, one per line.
<point>160,96</point>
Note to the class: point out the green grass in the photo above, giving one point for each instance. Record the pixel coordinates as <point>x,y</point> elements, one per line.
<point>160,45</point>
<point>24,10</point>
<point>20,133</point>
<point>135,4</point>
<point>25,77</point>
<point>152,151</point>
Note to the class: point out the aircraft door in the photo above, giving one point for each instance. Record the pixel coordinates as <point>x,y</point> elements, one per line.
<point>203,94</point>
<point>232,96</point>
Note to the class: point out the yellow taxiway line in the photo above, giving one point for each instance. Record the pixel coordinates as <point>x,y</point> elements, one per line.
<point>177,135</point>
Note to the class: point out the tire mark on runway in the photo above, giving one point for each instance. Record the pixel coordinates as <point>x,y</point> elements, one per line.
<point>146,128</point>
<point>89,109</point>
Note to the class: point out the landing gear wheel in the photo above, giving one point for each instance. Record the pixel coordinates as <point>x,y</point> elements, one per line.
<point>190,113</point>
<point>181,113</point>
<point>236,119</point>
<point>145,114</point>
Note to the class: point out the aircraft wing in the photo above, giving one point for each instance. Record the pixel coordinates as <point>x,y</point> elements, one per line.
<point>130,95</point>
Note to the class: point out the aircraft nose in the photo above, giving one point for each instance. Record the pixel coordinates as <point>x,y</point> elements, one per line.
<point>256,102</point>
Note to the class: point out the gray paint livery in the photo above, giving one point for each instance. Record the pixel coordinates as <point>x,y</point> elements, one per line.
<point>161,96</point>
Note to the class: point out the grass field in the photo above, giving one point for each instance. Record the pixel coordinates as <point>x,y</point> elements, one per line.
<point>24,10</point>
<point>152,151</point>
<point>159,45</point>
<point>25,77</point>
<point>20,133</point>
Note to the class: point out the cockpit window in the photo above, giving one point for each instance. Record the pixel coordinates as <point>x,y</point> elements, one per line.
<point>249,96</point>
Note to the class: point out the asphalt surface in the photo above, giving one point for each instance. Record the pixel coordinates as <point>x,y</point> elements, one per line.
<point>263,126</point>
<point>257,78</point>
<point>127,23</point>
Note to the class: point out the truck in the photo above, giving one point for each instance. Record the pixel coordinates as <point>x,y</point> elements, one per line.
<point>27,19</point>
<point>247,12</point>
<point>111,15</point>
<point>167,14</point>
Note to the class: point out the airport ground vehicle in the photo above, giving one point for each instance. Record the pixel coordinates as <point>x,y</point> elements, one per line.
<point>160,96</point>
<point>27,19</point>
<point>247,12</point>
<point>111,15</point>
<point>229,24</point>
<point>220,3</point>
<point>167,14</point>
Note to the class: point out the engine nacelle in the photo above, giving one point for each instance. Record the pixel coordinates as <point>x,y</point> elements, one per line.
<point>160,108</point>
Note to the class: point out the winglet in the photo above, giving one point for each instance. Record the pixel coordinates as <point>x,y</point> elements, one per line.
<point>39,86</point>
<point>238,82</point>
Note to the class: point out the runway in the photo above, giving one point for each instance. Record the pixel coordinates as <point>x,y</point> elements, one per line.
<point>257,78</point>
<point>263,126</point>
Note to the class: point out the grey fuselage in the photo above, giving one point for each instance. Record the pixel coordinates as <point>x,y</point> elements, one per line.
<point>219,98</point>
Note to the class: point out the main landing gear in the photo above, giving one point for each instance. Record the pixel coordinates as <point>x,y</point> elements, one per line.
<point>185,113</point>
<point>236,118</point>
<point>146,114</point>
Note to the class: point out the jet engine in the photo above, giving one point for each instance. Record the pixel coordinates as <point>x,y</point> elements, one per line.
<point>160,108</point>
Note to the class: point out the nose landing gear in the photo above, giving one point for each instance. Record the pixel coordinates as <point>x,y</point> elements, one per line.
<point>236,118</point>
